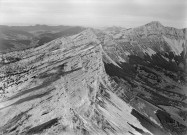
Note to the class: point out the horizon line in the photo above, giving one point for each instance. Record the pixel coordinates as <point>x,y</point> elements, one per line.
<point>87,26</point>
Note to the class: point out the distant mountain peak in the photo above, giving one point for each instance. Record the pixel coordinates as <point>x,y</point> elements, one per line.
<point>88,32</point>
<point>154,24</point>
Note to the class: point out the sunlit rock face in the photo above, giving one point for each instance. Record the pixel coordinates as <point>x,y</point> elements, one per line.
<point>62,88</point>
<point>97,82</point>
<point>150,74</point>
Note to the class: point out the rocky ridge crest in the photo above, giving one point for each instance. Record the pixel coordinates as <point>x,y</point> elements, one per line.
<point>61,88</point>
<point>97,82</point>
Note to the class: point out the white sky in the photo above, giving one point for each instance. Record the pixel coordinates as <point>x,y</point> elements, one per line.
<point>125,13</point>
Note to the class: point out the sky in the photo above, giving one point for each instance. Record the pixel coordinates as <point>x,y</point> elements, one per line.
<point>94,13</point>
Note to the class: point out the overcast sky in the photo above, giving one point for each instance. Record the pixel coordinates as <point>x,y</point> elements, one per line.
<point>125,13</point>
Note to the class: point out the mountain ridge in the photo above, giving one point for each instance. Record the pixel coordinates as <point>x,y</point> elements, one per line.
<point>95,82</point>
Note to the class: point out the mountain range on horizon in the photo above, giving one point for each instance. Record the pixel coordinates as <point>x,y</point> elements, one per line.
<point>73,80</point>
<point>21,37</point>
<point>43,26</point>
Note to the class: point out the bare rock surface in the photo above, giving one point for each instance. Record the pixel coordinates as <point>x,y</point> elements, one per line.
<point>97,82</point>
<point>62,88</point>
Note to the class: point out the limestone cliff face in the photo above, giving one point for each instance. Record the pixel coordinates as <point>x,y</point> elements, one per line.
<point>148,39</point>
<point>115,81</point>
<point>62,88</point>
<point>150,73</point>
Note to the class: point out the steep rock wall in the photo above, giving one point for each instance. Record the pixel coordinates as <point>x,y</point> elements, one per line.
<point>62,88</point>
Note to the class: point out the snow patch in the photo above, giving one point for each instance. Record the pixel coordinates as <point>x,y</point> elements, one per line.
<point>154,121</point>
<point>121,59</point>
<point>149,51</point>
<point>165,58</point>
<point>127,53</point>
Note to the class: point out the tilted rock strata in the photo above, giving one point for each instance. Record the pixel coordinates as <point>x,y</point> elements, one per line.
<point>115,81</point>
<point>62,91</point>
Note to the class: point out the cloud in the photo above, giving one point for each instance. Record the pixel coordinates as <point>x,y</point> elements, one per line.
<point>126,13</point>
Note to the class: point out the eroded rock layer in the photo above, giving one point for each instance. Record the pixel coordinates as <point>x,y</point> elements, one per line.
<point>62,88</point>
<point>96,83</point>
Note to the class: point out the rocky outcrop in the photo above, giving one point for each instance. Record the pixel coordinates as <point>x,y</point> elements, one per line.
<point>152,75</point>
<point>114,81</point>
<point>62,88</point>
